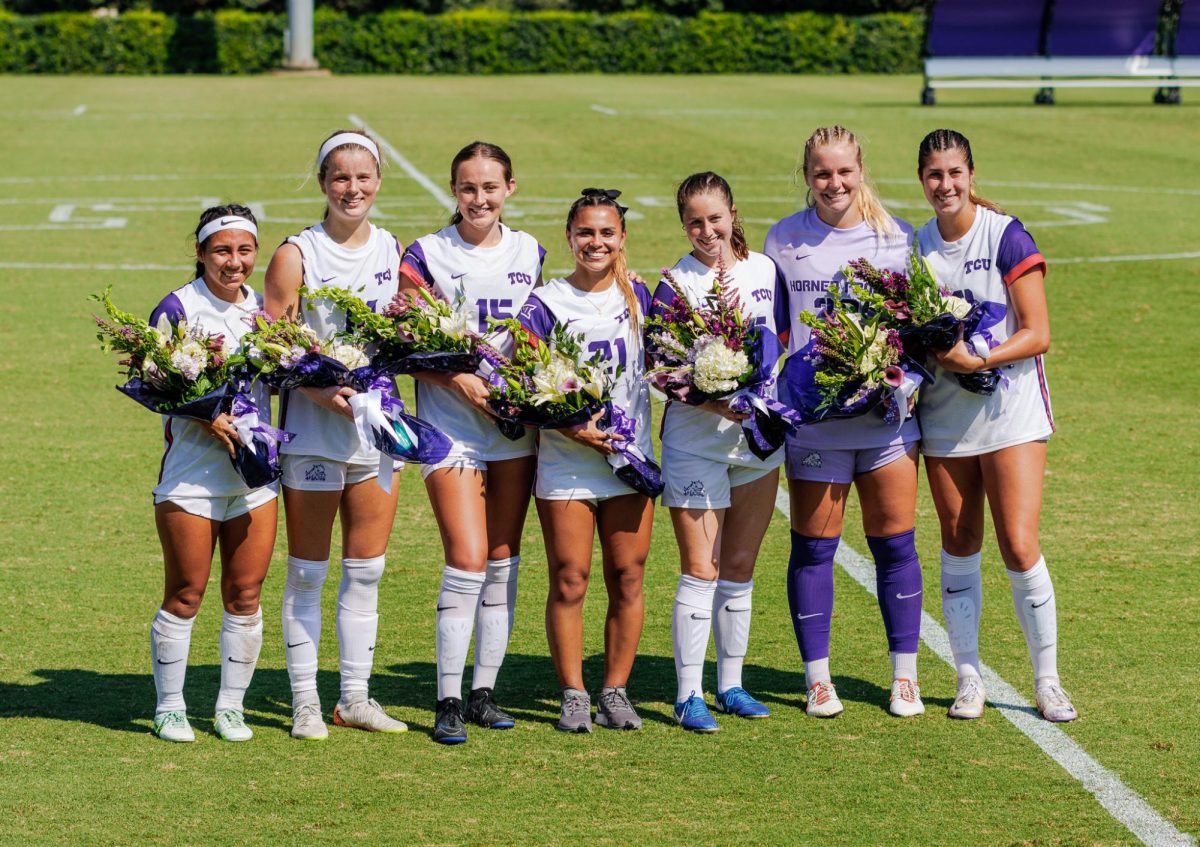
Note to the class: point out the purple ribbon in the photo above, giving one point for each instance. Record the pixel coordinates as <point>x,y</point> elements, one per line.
<point>256,458</point>
<point>629,463</point>
<point>769,420</point>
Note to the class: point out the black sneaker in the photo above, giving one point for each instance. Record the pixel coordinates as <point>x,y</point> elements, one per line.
<point>448,722</point>
<point>482,710</point>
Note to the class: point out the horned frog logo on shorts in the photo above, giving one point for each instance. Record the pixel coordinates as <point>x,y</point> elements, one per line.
<point>695,488</point>
<point>812,460</point>
<point>315,473</point>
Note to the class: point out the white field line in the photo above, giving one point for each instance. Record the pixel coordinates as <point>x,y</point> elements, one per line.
<point>1069,186</point>
<point>1120,801</point>
<point>1147,257</point>
<point>79,110</point>
<point>447,202</point>
<point>102,266</point>
<point>604,110</point>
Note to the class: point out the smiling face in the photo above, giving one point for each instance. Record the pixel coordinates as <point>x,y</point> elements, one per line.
<point>833,176</point>
<point>480,187</point>
<point>350,183</point>
<point>228,258</point>
<point>708,222</point>
<point>596,237</point>
<point>946,178</point>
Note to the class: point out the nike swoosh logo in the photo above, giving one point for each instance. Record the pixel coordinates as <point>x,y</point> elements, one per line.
<point>326,279</point>
<point>729,608</point>
<point>177,661</point>
<point>900,596</point>
<point>804,256</point>
<point>228,221</point>
<point>371,649</point>
<point>298,643</point>
<point>806,617</point>
<point>444,608</point>
<point>1043,603</point>
<point>240,661</point>
<point>957,590</point>
<point>697,617</point>
<point>490,605</point>
<point>458,276</point>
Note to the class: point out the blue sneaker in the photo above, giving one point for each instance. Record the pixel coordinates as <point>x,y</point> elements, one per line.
<point>737,701</point>
<point>694,715</point>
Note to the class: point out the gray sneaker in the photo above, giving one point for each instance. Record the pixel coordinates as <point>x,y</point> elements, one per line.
<point>307,724</point>
<point>576,713</point>
<point>614,710</point>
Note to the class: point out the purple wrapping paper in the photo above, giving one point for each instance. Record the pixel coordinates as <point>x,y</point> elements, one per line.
<point>260,466</point>
<point>394,364</point>
<point>432,445</point>
<point>630,465</point>
<point>204,409</point>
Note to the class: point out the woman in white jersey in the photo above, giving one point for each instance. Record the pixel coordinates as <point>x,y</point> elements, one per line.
<point>577,492</point>
<point>721,495</point>
<point>325,469</point>
<point>844,220</point>
<point>201,502</point>
<point>991,446</point>
<point>480,492</point>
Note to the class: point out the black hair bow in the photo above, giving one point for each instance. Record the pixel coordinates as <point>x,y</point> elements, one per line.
<point>611,193</point>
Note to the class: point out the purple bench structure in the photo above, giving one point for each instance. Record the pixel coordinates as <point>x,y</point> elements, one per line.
<point>1049,44</point>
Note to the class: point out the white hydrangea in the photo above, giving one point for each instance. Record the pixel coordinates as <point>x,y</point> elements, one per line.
<point>349,355</point>
<point>716,368</point>
<point>956,306</point>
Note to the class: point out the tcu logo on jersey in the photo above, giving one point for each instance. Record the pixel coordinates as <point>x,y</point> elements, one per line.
<point>761,294</point>
<point>383,276</point>
<point>624,316</point>
<point>518,278</point>
<point>976,265</point>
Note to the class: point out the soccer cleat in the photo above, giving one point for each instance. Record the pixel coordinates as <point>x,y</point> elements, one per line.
<point>693,715</point>
<point>613,709</point>
<point>968,700</point>
<point>737,701</point>
<point>905,701</point>
<point>368,715</point>
<point>1055,705</point>
<point>482,710</point>
<point>823,701</point>
<point>230,724</point>
<point>307,723</point>
<point>448,725</point>
<point>575,715</point>
<point>173,726</point>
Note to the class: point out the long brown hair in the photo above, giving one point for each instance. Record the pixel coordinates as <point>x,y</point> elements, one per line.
<point>708,182</point>
<point>869,204</point>
<point>941,140</point>
<point>608,197</point>
<point>478,150</point>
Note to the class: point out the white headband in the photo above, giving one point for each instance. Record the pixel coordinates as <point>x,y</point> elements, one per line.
<point>228,222</point>
<point>347,138</point>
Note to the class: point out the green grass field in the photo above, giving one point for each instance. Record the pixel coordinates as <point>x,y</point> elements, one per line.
<point>103,183</point>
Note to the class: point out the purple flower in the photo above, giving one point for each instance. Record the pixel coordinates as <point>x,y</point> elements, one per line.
<point>893,376</point>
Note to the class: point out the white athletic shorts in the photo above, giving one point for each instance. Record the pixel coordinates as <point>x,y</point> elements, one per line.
<point>693,482</point>
<point>316,473</point>
<point>222,508</point>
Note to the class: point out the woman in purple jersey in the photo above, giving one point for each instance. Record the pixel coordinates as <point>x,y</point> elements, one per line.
<point>329,475</point>
<point>201,503</point>
<point>992,446</point>
<point>480,492</point>
<point>578,496</point>
<point>844,220</point>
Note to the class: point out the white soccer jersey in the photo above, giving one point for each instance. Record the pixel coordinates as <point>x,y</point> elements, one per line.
<point>567,470</point>
<point>195,464</point>
<point>811,255</point>
<point>759,286</point>
<point>493,282</point>
<point>979,267</point>
<point>370,272</point>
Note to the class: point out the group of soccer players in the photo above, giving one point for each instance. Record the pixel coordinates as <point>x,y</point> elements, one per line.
<point>720,493</point>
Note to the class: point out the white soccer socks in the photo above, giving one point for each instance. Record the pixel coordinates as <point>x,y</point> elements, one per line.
<point>731,630</point>
<point>301,613</point>
<point>690,625</point>
<point>170,639</point>
<point>241,642</point>
<point>1033,600</point>
<point>456,604</point>
<point>357,624</point>
<point>962,603</point>
<point>494,619</point>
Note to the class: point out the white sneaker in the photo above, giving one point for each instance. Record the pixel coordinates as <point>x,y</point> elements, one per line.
<point>1055,705</point>
<point>906,699</point>
<point>230,724</point>
<point>968,700</point>
<point>173,726</point>
<point>368,715</point>
<point>307,724</point>
<point>823,701</point>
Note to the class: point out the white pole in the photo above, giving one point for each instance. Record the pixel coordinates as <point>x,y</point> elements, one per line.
<point>298,40</point>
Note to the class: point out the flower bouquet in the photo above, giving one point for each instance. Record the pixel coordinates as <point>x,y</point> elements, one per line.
<point>256,455</point>
<point>287,354</point>
<point>382,423</point>
<point>629,463</point>
<point>850,365</point>
<point>713,353</point>
<point>928,316</point>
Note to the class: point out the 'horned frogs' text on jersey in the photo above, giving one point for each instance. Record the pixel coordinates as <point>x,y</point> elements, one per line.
<point>979,267</point>
<point>811,255</point>
<point>567,470</point>
<point>194,463</point>
<point>758,284</point>
<point>490,282</point>
<point>370,272</point>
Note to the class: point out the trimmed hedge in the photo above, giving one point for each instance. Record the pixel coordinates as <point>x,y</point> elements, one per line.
<point>482,41</point>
